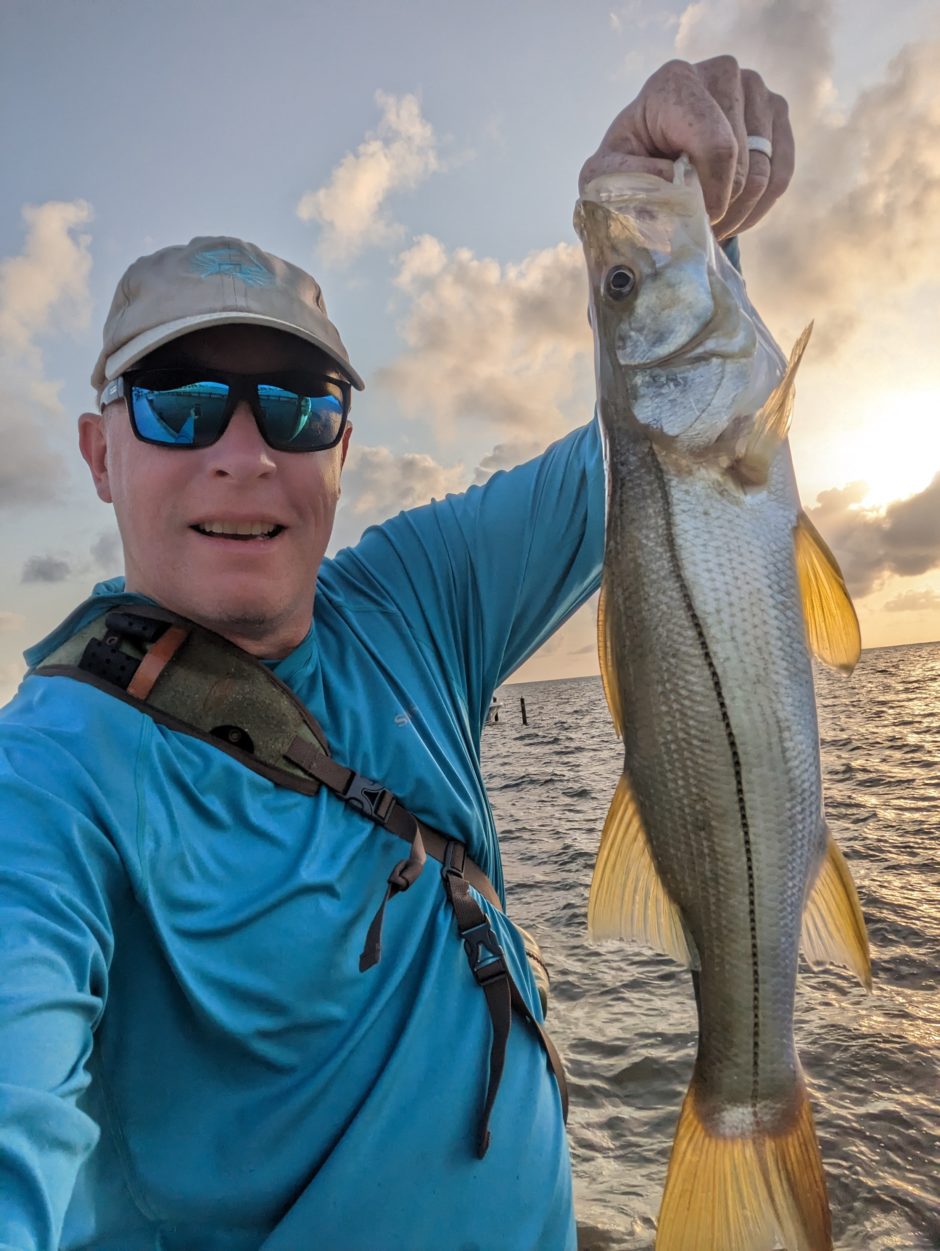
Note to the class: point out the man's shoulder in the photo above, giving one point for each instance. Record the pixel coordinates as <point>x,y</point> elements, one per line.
<point>56,731</point>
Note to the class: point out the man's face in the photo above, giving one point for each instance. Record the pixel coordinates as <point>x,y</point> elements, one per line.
<point>258,592</point>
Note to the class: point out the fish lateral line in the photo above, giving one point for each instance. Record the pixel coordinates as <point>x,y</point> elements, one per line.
<point>731,740</point>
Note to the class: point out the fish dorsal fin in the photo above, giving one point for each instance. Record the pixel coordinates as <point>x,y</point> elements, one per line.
<point>628,898</point>
<point>832,629</point>
<point>605,655</point>
<point>833,925</point>
<point>772,421</point>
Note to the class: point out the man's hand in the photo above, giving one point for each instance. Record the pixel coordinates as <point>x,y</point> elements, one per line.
<point>708,111</point>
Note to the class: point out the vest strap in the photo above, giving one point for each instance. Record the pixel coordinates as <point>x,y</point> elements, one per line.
<point>193,680</point>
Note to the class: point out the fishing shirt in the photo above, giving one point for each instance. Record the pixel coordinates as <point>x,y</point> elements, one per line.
<point>190,1058</point>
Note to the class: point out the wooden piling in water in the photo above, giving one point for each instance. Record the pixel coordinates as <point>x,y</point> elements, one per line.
<point>525,719</point>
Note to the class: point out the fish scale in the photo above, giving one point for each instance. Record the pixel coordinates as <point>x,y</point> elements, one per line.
<point>715,583</point>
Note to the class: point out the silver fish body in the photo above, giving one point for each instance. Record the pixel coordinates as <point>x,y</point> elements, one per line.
<point>716,837</point>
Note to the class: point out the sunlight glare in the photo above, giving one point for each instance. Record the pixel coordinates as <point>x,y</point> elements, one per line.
<point>897,447</point>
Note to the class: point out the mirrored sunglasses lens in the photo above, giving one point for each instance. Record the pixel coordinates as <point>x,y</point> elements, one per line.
<point>186,416</point>
<point>301,423</point>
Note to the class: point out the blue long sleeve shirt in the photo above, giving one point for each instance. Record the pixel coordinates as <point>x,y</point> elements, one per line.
<point>190,1059</point>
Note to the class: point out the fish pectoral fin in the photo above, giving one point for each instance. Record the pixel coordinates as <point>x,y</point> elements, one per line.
<point>628,898</point>
<point>832,629</point>
<point>735,1192</point>
<point>771,422</point>
<point>833,925</point>
<point>605,656</point>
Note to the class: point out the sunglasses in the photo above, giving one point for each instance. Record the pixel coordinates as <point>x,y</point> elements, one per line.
<point>296,410</point>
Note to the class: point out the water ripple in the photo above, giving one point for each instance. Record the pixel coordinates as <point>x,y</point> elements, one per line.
<point>625,1018</point>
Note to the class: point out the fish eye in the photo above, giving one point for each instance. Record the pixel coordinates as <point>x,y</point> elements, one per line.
<point>620,283</point>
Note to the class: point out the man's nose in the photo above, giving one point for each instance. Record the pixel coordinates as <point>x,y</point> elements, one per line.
<point>241,452</point>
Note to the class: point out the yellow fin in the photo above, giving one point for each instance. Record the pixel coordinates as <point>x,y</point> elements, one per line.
<point>832,629</point>
<point>772,421</point>
<point>833,925</point>
<point>628,898</point>
<point>605,655</point>
<point>739,1193</point>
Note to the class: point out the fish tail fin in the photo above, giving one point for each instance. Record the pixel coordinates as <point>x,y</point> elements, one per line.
<point>738,1193</point>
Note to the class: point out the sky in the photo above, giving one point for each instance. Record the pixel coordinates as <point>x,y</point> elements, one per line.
<point>421,159</point>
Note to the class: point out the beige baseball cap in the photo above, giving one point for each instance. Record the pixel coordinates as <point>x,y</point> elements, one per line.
<point>212,282</point>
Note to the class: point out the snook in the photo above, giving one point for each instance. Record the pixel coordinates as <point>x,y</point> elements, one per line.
<point>715,849</point>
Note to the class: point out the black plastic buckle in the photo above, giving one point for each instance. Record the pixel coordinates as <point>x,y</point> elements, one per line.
<point>135,628</point>
<point>477,940</point>
<point>370,798</point>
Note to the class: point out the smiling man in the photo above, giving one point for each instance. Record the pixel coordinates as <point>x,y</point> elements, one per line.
<point>235,1010</point>
<point>227,532</point>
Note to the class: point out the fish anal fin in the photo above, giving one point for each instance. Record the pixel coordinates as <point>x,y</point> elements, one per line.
<point>832,629</point>
<point>771,422</point>
<point>833,925</point>
<point>605,655</point>
<point>741,1192</point>
<point>628,898</point>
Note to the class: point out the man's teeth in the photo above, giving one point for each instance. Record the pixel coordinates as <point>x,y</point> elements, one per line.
<point>243,529</point>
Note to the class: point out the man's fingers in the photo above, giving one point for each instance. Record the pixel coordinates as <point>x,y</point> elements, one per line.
<point>758,122</point>
<point>607,162</point>
<point>679,114</point>
<point>781,166</point>
<point>725,80</point>
<point>706,111</point>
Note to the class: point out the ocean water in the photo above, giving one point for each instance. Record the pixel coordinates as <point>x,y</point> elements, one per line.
<point>624,1017</point>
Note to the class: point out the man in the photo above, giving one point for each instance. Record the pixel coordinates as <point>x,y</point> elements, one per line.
<point>200,1048</point>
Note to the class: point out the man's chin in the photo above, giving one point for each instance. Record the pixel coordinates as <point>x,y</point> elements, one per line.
<point>260,627</point>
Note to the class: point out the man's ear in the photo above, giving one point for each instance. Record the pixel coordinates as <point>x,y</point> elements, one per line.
<point>93,444</point>
<point>345,443</point>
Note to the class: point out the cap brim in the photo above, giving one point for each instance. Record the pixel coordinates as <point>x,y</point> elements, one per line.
<point>150,340</point>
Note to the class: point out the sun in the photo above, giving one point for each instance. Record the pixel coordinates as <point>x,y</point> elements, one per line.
<point>895,447</point>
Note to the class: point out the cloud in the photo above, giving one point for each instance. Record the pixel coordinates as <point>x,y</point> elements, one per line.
<point>46,569</point>
<point>857,226</point>
<point>46,286</point>
<point>106,551</point>
<point>485,342</point>
<point>926,600</point>
<point>903,539</point>
<point>398,156</point>
<point>506,455</point>
<point>44,289</point>
<point>788,41</point>
<point>11,621</point>
<point>377,484</point>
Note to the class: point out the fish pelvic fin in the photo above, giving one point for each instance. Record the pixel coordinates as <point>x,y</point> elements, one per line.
<point>628,898</point>
<point>772,421</point>
<point>833,926</point>
<point>832,629</point>
<point>605,655</point>
<point>748,1192</point>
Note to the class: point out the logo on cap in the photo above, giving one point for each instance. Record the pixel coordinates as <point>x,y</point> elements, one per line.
<point>232,261</point>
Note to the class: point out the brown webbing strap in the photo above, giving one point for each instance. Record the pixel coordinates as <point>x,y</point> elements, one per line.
<point>160,636</point>
<point>381,806</point>
<point>488,966</point>
<point>155,660</point>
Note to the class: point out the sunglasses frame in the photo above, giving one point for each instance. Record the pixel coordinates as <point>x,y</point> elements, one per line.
<point>240,387</point>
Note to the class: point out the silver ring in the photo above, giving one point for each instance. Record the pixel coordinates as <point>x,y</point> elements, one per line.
<point>757,143</point>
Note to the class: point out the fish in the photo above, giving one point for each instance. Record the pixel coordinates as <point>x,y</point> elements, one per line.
<point>716,589</point>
